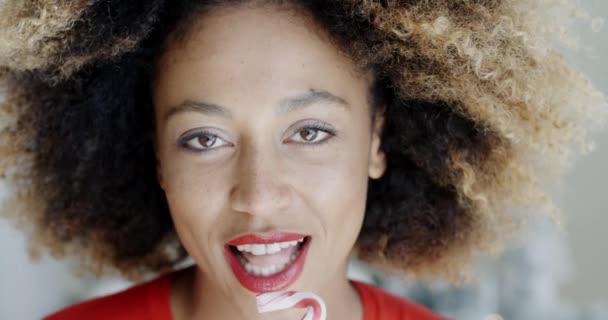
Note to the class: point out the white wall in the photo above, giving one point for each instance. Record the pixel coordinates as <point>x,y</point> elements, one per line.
<point>585,200</point>
<point>27,291</point>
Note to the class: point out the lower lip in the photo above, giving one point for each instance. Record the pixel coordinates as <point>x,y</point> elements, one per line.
<point>275,282</point>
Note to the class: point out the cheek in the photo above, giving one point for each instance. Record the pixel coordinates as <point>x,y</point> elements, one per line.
<point>337,190</point>
<point>195,201</point>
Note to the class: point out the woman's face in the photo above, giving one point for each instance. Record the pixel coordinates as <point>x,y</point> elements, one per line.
<point>263,138</point>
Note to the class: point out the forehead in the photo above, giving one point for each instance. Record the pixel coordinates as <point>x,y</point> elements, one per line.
<point>261,49</point>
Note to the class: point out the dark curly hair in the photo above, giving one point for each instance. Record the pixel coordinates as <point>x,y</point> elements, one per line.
<point>471,106</point>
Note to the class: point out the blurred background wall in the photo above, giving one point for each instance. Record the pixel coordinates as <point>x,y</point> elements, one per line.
<point>568,268</point>
<point>585,197</point>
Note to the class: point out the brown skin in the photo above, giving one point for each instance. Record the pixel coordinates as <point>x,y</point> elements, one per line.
<point>260,173</point>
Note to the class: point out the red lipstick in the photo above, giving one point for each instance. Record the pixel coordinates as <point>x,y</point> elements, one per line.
<point>277,281</point>
<point>265,238</point>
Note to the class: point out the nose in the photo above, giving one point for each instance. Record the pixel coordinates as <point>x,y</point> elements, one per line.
<point>259,188</point>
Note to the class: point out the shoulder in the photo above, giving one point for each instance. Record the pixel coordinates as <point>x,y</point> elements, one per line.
<point>381,304</point>
<point>149,301</point>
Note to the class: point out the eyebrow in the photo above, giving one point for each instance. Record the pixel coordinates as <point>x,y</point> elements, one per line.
<point>286,105</point>
<point>309,98</point>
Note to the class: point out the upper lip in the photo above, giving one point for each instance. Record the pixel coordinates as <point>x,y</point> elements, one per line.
<point>265,238</point>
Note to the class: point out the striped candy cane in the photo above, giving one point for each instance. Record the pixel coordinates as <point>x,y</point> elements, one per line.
<point>273,301</point>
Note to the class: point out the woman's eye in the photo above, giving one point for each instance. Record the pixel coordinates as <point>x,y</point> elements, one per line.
<point>312,135</point>
<point>202,142</point>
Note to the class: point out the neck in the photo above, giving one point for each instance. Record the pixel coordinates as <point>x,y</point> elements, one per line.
<point>194,296</point>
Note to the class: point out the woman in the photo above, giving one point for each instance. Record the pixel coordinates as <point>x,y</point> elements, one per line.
<point>270,140</point>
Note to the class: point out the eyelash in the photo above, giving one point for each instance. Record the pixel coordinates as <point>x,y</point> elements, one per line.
<point>316,126</point>
<point>183,141</point>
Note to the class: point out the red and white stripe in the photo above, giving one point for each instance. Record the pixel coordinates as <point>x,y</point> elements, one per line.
<point>274,301</point>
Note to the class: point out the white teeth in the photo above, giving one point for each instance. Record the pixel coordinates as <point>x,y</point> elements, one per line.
<point>245,247</point>
<point>273,248</point>
<point>266,271</point>
<point>258,249</point>
<point>262,249</point>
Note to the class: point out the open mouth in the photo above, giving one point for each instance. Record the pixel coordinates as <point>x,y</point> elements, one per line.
<point>268,264</point>
<point>265,260</point>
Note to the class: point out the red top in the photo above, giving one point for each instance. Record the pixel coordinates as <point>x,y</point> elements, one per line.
<point>150,301</point>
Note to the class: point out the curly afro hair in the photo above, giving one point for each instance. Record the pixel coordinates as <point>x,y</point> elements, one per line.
<point>481,113</point>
